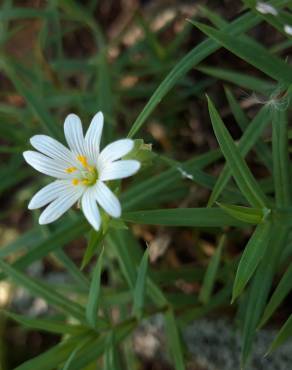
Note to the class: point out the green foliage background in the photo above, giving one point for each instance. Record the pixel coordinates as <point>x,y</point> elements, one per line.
<point>256,281</point>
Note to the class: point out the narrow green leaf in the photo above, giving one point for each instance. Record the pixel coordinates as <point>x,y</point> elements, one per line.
<point>249,215</point>
<point>281,162</point>
<point>109,357</point>
<point>154,186</point>
<point>72,269</point>
<point>38,289</point>
<point>211,272</point>
<point>239,79</point>
<point>261,148</point>
<point>250,51</point>
<point>242,175</point>
<point>283,289</point>
<point>284,334</point>
<point>70,359</point>
<point>194,57</point>
<point>260,287</point>
<point>45,244</point>
<point>139,292</point>
<point>94,292</point>
<point>35,103</point>
<point>196,217</point>
<point>174,340</point>
<point>253,253</point>
<point>247,141</point>
<point>55,356</point>
<point>48,325</point>
<point>95,238</point>
<point>97,346</point>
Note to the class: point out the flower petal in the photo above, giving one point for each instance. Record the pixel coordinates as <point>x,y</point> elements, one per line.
<point>74,134</point>
<point>49,193</point>
<point>60,205</point>
<point>93,137</point>
<point>53,149</point>
<point>90,209</point>
<point>119,170</point>
<point>46,165</point>
<point>107,200</point>
<point>115,150</point>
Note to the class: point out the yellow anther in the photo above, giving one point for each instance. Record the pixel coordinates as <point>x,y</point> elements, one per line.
<point>85,182</point>
<point>83,160</point>
<point>71,169</point>
<point>75,182</point>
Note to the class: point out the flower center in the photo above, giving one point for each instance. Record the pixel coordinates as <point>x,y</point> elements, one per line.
<point>88,175</point>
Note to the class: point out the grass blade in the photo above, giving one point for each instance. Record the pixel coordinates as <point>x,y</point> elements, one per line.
<point>242,175</point>
<point>196,217</point>
<point>260,147</point>
<point>245,214</point>
<point>139,292</point>
<point>260,288</point>
<point>174,341</point>
<point>281,163</point>
<point>283,289</point>
<point>48,325</point>
<point>194,57</point>
<point>38,289</point>
<point>250,51</point>
<point>252,255</point>
<point>211,272</point>
<point>284,334</point>
<point>94,292</point>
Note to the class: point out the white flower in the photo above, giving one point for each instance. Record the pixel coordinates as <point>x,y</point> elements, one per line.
<point>80,172</point>
<point>288,29</point>
<point>266,8</point>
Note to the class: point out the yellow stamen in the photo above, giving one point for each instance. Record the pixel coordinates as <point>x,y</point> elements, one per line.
<point>83,160</point>
<point>71,169</point>
<point>75,182</point>
<point>85,182</point>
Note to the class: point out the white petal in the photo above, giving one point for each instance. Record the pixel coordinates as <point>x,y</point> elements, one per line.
<point>266,8</point>
<point>46,165</point>
<point>107,200</point>
<point>90,209</point>
<point>74,134</point>
<point>119,170</point>
<point>288,29</point>
<point>49,193</point>
<point>52,148</point>
<point>115,150</point>
<point>60,205</point>
<point>93,136</point>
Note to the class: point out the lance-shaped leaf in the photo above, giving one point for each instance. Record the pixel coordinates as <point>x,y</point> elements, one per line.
<point>284,334</point>
<point>197,217</point>
<point>246,214</point>
<point>241,173</point>
<point>281,162</point>
<point>260,287</point>
<point>39,289</point>
<point>250,51</point>
<point>211,272</point>
<point>139,292</point>
<point>245,144</point>
<point>283,289</point>
<point>253,253</point>
<point>195,56</point>
<point>94,291</point>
